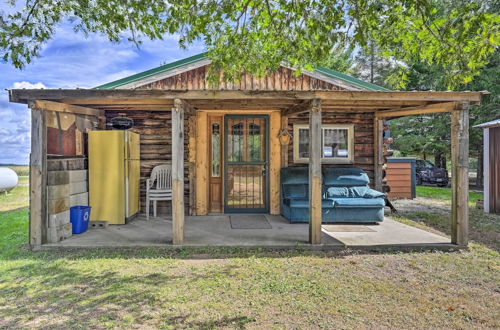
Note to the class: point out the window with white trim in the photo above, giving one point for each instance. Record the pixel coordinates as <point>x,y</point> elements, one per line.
<point>337,142</point>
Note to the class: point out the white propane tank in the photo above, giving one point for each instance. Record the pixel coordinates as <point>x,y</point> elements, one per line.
<point>8,179</point>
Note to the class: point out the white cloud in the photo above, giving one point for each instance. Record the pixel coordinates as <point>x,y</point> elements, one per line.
<point>71,60</point>
<point>27,85</point>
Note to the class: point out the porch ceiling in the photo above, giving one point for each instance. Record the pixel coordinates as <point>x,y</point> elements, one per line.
<point>161,100</point>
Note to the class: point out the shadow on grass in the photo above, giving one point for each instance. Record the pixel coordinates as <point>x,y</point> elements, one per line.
<point>53,295</point>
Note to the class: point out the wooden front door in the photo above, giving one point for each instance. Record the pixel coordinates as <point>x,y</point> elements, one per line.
<point>246,158</point>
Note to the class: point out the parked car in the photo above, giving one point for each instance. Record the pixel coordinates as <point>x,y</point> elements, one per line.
<point>427,172</point>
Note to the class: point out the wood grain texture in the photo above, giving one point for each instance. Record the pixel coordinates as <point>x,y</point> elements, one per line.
<point>283,79</point>
<point>274,162</point>
<point>38,178</point>
<point>378,133</point>
<point>460,175</point>
<point>399,178</point>
<point>315,187</point>
<point>202,164</point>
<point>178,173</point>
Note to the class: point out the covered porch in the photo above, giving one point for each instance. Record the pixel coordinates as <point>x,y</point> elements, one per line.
<point>186,104</point>
<point>218,231</point>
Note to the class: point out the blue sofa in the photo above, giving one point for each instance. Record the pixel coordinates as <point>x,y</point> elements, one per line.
<point>346,196</point>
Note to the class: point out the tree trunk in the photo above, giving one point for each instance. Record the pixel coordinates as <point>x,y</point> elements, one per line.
<point>437,159</point>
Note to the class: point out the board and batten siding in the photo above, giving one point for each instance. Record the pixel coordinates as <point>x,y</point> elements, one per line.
<point>282,79</point>
<point>363,137</point>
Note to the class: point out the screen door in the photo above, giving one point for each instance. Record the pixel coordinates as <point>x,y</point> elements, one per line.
<point>246,154</point>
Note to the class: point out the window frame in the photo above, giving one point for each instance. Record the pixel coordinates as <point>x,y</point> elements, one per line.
<point>325,160</point>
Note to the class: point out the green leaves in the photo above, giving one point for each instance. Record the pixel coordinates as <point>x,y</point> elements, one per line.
<point>257,35</point>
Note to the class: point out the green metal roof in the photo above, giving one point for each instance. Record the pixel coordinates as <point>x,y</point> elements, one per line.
<point>152,72</point>
<point>350,79</point>
<point>192,59</point>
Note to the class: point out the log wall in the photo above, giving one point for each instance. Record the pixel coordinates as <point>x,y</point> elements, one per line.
<point>363,137</point>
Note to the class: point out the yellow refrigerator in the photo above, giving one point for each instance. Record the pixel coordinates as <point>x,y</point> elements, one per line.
<point>114,170</point>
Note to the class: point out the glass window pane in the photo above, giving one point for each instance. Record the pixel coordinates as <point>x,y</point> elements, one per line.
<point>235,141</point>
<point>255,146</point>
<point>216,150</point>
<point>303,143</point>
<point>335,143</point>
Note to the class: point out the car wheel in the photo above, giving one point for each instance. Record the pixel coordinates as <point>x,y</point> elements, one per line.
<point>442,184</point>
<point>419,181</point>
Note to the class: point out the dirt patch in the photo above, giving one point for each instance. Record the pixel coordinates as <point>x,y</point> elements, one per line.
<point>422,204</point>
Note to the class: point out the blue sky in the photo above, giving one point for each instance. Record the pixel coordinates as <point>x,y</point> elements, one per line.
<point>69,61</point>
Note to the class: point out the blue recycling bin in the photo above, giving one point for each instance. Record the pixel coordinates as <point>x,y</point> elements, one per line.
<point>79,216</point>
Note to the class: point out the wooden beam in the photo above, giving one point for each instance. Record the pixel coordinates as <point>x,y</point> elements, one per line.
<point>378,141</point>
<point>284,147</point>
<point>301,107</point>
<point>460,175</point>
<point>188,109</point>
<point>109,96</point>
<point>178,172</point>
<point>315,191</point>
<point>38,178</point>
<point>420,110</point>
<point>67,108</point>
<point>192,164</point>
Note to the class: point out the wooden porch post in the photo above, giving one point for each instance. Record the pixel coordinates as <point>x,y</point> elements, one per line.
<point>38,178</point>
<point>315,172</point>
<point>178,172</point>
<point>460,175</point>
<point>378,140</point>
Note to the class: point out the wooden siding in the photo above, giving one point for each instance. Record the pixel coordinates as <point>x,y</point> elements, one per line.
<point>399,179</point>
<point>282,79</point>
<point>156,148</point>
<point>363,137</point>
<point>494,164</point>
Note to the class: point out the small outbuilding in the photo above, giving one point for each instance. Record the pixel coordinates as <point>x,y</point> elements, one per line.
<point>491,161</point>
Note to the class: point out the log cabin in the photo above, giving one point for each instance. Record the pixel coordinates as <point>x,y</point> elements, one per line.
<point>279,120</point>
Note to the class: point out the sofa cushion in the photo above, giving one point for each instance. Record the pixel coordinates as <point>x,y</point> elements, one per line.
<point>372,193</point>
<point>346,192</point>
<point>295,190</point>
<point>345,177</point>
<point>295,175</point>
<point>304,203</point>
<point>353,192</point>
<point>358,202</point>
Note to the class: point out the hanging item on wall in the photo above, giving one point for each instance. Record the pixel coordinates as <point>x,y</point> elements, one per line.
<point>284,137</point>
<point>63,136</point>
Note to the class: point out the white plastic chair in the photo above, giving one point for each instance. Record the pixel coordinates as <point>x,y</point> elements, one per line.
<point>162,191</point>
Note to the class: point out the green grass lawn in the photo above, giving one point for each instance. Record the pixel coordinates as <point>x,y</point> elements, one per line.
<point>229,288</point>
<point>445,194</point>
<point>14,199</point>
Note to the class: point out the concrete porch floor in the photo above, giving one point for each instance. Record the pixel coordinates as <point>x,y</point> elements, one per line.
<point>215,230</point>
